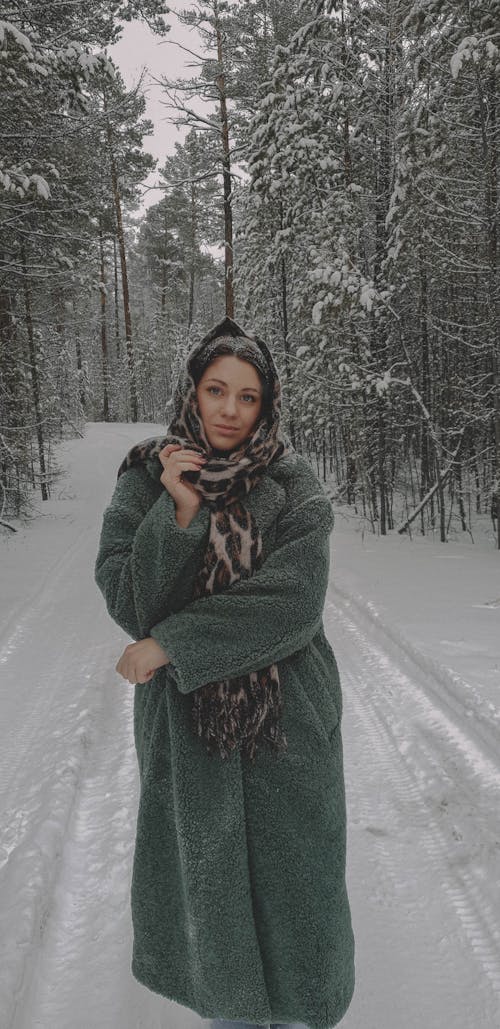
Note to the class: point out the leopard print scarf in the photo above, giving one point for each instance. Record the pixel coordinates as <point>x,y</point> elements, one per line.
<point>242,711</point>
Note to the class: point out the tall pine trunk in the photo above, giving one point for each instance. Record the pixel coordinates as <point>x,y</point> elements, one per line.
<point>192,263</point>
<point>116,298</point>
<point>33,366</point>
<point>123,264</point>
<point>104,341</point>
<point>226,172</point>
<point>79,361</point>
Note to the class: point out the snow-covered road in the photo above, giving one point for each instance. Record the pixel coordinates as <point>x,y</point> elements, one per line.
<point>423,844</point>
<point>423,792</point>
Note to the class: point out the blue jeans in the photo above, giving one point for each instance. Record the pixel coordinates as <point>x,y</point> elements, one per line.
<point>221,1023</point>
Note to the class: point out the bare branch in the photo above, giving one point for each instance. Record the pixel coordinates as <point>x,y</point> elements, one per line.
<point>188,51</point>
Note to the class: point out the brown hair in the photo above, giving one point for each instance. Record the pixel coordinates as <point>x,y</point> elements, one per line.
<point>243,348</point>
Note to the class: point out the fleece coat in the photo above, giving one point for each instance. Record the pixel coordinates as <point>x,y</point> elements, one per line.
<point>239,902</point>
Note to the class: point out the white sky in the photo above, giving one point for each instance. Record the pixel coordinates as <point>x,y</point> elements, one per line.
<point>139,48</point>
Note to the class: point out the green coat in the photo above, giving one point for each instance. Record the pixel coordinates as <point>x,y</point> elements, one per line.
<point>238,898</point>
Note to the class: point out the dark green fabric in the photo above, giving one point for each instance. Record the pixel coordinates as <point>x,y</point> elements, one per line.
<point>239,901</point>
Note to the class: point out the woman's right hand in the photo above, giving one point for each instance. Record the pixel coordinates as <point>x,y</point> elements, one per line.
<point>175,460</point>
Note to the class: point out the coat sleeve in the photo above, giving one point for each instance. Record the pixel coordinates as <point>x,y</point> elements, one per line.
<point>267,617</point>
<point>143,551</point>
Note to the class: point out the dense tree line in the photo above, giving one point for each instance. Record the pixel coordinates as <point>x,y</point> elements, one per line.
<point>71,158</point>
<point>346,162</point>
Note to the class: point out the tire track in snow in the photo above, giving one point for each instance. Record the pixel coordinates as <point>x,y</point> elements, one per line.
<point>88,933</point>
<point>435,781</point>
<point>30,693</point>
<point>463,700</point>
<point>50,711</point>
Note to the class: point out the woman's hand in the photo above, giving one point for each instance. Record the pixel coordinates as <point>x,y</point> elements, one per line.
<point>140,660</point>
<point>176,460</point>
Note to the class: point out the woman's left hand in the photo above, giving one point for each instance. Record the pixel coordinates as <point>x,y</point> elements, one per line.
<point>140,660</point>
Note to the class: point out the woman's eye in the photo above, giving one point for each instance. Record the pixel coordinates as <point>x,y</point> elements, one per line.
<point>245,394</point>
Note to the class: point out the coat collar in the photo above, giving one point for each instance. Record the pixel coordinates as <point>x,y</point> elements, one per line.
<point>265,501</point>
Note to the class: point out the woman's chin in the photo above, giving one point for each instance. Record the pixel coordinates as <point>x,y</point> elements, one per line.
<point>224,446</point>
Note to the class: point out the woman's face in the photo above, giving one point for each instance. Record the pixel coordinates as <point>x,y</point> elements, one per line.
<point>229,394</point>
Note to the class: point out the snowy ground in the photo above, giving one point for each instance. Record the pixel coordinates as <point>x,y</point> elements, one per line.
<point>415,628</point>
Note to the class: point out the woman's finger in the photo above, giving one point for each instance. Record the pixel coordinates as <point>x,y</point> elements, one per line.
<point>123,667</point>
<point>131,671</point>
<point>164,454</point>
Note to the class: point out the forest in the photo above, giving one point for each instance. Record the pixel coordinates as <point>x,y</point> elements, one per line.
<point>347,166</point>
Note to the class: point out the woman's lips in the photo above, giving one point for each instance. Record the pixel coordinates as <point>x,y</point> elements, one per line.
<point>225,430</point>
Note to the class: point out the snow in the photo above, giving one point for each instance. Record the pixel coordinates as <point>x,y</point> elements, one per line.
<point>468,48</point>
<point>20,38</point>
<point>317,312</point>
<point>42,186</point>
<point>414,627</point>
<point>366,295</point>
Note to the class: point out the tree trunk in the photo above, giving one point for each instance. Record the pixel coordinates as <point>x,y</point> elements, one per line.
<point>116,303</point>
<point>123,265</point>
<point>192,263</point>
<point>426,391</point>
<point>34,375</point>
<point>226,171</point>
<point>164,269</point>
<point>79,362</point>
<point>104,342</point>
<point>286,342</point>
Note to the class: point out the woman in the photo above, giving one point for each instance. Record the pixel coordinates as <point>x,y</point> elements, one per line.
<point>214,557</point>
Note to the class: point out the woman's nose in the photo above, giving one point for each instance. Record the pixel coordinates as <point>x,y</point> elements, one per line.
<point>229,405</point>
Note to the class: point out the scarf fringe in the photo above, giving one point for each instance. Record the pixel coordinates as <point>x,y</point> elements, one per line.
<point>242,713</point>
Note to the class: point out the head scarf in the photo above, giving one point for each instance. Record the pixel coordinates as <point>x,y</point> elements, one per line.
<point>243,711</point>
